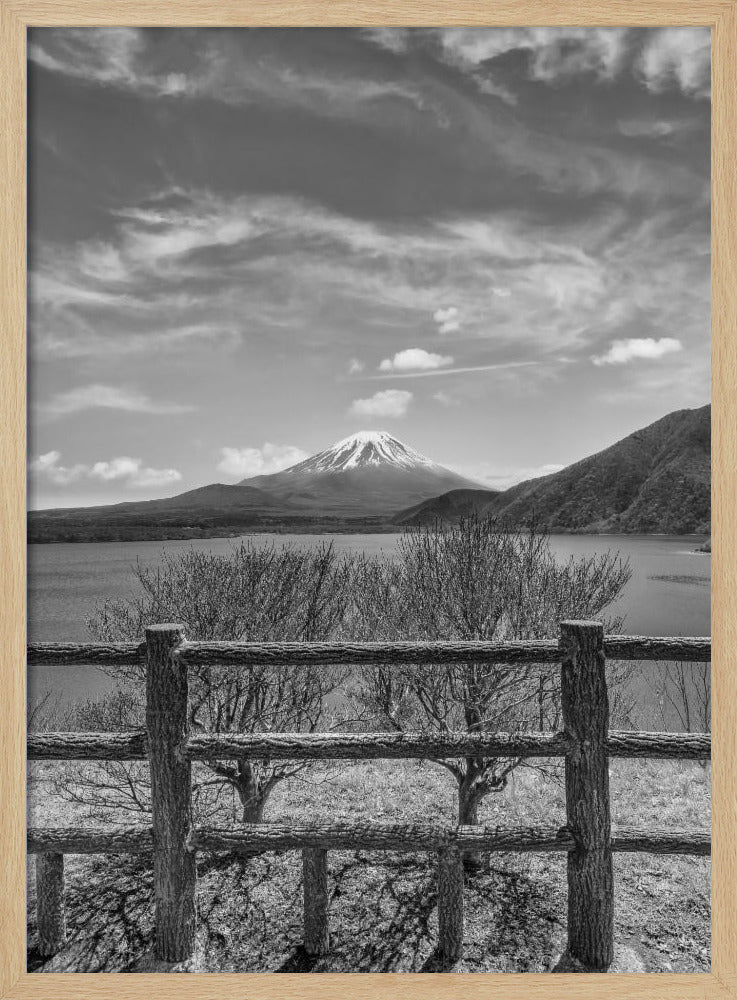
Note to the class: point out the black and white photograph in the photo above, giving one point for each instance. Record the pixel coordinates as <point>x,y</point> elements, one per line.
<point>369,500</point>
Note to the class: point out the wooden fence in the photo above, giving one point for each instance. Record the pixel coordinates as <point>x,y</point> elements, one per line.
<point>585,742</point>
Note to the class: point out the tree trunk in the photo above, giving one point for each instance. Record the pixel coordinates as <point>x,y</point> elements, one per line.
<point>450,907</point>
<point>252,799</point>
<point>468,815</point>
<point>253,810</point>
<point>316,901</point>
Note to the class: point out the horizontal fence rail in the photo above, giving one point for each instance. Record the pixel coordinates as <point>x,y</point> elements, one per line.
<point>364,746</point>
<point>360,836</point>
<point>586,744</point>
<point>691,649</point>
<point>108,654</point>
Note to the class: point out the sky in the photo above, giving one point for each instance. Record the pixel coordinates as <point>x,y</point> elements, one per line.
<point>246,244</point>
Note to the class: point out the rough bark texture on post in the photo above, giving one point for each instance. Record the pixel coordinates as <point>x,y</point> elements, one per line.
<point>50,910</point>
<point>450,905</point>
<point>315,877</point>
<point>586,720</point>
<point>171,795</point>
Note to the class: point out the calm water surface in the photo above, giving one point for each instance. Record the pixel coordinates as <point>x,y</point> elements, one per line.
<point>669,593</point>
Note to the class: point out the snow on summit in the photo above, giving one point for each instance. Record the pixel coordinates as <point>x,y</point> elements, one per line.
<point>367,473</point>
<point>363,449</point>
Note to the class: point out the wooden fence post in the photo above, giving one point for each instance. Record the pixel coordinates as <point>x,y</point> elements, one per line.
<point>586,720</point>
<point>171,795</point>
<point>450,905</point>
<point>316,918</point>
<point>50,909</point>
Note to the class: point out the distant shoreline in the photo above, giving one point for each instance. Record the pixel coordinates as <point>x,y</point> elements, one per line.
<point>80,535</point>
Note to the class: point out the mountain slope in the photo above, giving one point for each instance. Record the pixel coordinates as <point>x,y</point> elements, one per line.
<point>655,480</point>
<point>208,510</point>
<point>368,473</point>
<point>448,506</point>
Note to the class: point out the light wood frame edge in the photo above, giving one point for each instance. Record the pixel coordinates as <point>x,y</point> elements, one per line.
<point>15,17</point>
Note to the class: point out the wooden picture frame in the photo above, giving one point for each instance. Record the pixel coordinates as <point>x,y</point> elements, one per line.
<point>15,17</point>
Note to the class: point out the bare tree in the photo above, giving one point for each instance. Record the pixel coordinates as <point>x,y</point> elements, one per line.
<point>684,695</point>
<point>476,581</point>
<point>256,593</point>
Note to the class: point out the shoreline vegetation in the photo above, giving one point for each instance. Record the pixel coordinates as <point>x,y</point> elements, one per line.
<point>77,530</point>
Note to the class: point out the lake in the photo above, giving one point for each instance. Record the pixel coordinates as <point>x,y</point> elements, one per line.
<point>668,594</point>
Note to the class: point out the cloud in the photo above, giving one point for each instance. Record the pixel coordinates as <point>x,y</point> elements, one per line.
<point>387,403</point>
<point>447,319</point>
<point>100,55</point>
<point>555,53</point>
<point>677,57</point>
<point>355,366</point>
<point>64,333</point>
<point>414,359</point>
<point>236,68</point>
<point>623,351</point>
<point>247,462</point>
<point>131,472</point>
<point>90,397</point>
<point>445,399</point>
<point>395,40</point>
<point>645,128</point>
<point>457,371</point>
<point>194,261</point>
<point>497,477</point>
<point>669,57</point>
<point>47,465</point>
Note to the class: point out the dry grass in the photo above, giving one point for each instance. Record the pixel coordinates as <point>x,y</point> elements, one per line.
<point>383,907</point>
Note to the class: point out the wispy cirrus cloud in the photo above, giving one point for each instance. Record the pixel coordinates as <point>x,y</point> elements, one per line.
<point>234,68</point>
<point>660,59</point>
<point>183,270</point>
<point>108,397</point>
<point>186,269</point>
<point>500,366</point>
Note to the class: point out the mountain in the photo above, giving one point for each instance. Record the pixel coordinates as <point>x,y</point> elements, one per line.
<point>356,485</point>
<point>370,472</point>
<point>208,511</point>
<point>448,506</point>
<point>657,480</point>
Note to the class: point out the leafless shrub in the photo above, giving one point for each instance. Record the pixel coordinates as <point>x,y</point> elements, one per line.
<point>254,594</point>
<point>476,581</point>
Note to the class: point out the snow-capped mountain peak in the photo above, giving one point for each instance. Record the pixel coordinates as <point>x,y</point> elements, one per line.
<point>367,473</point>
<point>365,449</point>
